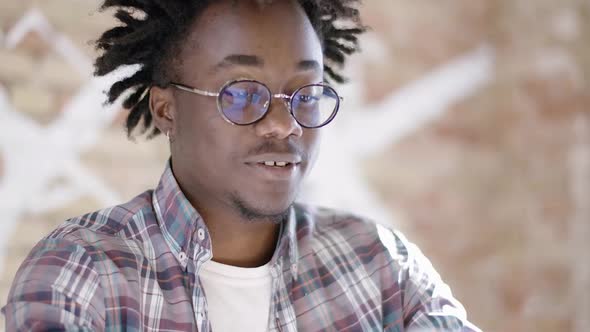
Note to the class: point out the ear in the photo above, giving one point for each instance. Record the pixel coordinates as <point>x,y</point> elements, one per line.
<point>162,109</point>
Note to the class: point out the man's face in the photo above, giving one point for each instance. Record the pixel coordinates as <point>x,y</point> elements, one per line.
<point>223,164</point>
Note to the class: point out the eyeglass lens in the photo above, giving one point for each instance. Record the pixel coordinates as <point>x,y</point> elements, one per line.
<point>245,102</point>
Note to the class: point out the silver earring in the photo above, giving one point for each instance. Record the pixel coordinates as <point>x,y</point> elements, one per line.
<point>168,135</point>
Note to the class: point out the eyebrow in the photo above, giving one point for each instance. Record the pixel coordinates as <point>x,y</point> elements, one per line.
<point>256,61</point>
<point>240,60</point>
<point>308,65</point>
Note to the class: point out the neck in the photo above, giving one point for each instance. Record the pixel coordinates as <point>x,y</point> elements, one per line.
<point>244,244</point>
<point>236,240</point>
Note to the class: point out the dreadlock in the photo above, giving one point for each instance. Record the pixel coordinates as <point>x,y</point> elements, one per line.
<point>151,32</point>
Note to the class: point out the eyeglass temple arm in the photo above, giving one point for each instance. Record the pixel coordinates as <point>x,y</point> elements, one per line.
<point>216,94</point>
<point>197,91</point>
<point>284,96</point>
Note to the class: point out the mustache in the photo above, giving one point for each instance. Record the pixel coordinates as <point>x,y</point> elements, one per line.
<point>273,146</point>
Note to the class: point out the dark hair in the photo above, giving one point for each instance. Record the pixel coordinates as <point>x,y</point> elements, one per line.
<point>151,31</point>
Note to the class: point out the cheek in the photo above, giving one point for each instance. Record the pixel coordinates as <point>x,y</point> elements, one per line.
<point>196,112</point>
<point>196,117</point>
<point>312,138</point>
<point>196,132</point>
<point>211,142</point>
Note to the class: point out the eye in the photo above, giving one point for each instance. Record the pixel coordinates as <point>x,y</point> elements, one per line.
<point>307,99</point>
<point>238,96</point>
<point>241,94</point>
<point>236,93</point>
<point>247,94</point>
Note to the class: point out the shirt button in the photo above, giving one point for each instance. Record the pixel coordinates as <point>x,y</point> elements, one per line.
<point>182,257</point>
<point>201,234</point>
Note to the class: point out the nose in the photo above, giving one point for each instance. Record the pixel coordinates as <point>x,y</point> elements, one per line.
<point>278,122</point>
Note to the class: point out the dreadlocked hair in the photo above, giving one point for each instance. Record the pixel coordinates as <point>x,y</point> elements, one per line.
<point>151,32</point>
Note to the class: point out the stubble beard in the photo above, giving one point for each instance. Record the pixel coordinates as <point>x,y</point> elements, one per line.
<point>253,215</point>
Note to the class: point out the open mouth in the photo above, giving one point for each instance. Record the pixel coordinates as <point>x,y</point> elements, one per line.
<point>276,170</point>
<point>277,163</point>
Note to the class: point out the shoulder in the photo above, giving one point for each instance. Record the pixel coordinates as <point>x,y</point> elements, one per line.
<point>120,221</point>
<point>368,240</point>
<point>62,273</point>
<point>79,239</point>
<point>77,246</point>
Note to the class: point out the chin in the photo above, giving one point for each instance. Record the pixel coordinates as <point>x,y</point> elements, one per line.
<point>263,209</point>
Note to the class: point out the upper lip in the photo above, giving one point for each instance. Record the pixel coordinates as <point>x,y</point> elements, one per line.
<point>286,157</point>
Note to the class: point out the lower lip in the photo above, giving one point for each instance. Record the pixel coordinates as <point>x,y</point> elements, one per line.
<point>274,172</point>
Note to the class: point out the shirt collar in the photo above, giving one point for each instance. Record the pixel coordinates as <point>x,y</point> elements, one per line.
<point>179,220</point>
<point>287,245</point>
<point>177,217</point>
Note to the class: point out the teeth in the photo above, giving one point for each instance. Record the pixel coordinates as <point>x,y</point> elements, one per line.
<point>276,163</point>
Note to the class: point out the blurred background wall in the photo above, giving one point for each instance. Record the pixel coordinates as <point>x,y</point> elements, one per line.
<point>466,125</point>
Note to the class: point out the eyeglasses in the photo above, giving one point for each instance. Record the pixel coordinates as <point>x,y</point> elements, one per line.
<point>244,101</point>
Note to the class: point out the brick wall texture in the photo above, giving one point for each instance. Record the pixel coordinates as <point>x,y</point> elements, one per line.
<point>494,191</point>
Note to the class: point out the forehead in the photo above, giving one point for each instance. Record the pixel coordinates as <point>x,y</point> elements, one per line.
<point>278,33</point>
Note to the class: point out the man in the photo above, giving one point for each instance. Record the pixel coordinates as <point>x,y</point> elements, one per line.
<point>238,89</point>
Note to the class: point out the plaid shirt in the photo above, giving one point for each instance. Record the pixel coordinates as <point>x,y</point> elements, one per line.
<point>135,267</point>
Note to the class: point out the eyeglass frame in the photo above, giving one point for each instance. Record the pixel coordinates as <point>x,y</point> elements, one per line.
<point>287,99</point>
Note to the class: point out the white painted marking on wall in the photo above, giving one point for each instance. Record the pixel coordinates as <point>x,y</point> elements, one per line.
<point>361,130</point>
<point>34,156</point>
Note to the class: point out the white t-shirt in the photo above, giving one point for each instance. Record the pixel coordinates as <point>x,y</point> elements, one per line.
<point>238,299</point>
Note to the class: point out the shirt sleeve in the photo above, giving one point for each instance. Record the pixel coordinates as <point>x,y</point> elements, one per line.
<point>56,288</point>
<point>427,303</point>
